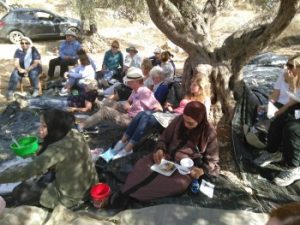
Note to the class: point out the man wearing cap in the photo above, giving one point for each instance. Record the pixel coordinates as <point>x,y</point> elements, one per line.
<point>132,59</point>
<point>156,60</point>
<point>141,99</point>
<point>67,54</point>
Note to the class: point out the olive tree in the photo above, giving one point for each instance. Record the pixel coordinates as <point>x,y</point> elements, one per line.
<point>188,24</point>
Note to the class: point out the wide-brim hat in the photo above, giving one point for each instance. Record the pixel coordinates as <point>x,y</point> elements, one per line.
<point>133,73</point>
<point>72,33</point>
<point>91,84</point>
<point>132,48</point>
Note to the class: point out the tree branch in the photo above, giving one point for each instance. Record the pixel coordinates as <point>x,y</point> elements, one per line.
<point>243,44</point>
<point>183,26</point>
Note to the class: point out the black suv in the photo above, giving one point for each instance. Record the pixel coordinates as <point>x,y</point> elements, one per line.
<point>35,23</point>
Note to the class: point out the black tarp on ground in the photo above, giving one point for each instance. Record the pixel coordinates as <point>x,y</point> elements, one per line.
<point>259,179</point>
<point>227,195</point>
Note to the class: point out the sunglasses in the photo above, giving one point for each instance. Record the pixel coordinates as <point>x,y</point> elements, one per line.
<point>116,47</point>
<point>290,66</point>
<point>24,43</point>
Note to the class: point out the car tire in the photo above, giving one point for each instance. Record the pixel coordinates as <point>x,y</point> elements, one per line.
<point>15,36</point>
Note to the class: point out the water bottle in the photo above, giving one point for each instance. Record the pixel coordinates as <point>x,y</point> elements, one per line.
<point>195,187</point>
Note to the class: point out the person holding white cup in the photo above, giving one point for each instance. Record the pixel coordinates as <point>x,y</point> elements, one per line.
<point>189,141</point>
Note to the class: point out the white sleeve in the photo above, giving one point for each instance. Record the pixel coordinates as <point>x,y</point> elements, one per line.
<point>280,80</point>
<point>127,61</point>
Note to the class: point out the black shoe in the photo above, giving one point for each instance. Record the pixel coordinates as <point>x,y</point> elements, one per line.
<point>91,130</point>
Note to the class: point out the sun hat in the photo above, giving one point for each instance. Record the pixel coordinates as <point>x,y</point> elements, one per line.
<point>69,32</point>
<point>26,39</point>
<point>91,84</point>
<point>157,50</point>
<point>131,48</point>
<point>133,73</point>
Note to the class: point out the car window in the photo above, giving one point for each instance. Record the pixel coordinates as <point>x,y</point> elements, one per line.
<point>43,16</point>
<point>8,16</point>
<point>25,15</point>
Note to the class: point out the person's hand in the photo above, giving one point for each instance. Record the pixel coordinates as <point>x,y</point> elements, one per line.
<point>196,172</point>
<point>158,156</point>
<point>66,75</point>
<point>71,109</point>
<point>126,106</point>
<point>21,70</point>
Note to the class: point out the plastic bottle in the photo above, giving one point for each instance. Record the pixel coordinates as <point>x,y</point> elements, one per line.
<point>195,187</point>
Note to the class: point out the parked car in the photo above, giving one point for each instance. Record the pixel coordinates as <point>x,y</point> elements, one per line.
<point>35,23</point>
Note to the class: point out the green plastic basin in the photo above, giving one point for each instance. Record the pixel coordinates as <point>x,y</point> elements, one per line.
<point>28,146</point>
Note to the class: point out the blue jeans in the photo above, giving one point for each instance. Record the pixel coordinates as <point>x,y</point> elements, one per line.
<point>33,76</point>
<point>139,125</point>
<point>46,102</point>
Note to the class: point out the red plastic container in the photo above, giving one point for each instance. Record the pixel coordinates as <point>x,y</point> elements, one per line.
<point>99,194</point>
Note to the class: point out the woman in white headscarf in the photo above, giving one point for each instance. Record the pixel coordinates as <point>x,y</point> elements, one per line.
<point>27,63</point>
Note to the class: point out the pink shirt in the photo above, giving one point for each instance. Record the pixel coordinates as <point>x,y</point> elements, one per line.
<point>142,99</point>
<point>184,102</point>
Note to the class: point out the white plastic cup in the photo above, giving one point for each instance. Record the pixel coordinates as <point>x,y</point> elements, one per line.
<point>186,165</point>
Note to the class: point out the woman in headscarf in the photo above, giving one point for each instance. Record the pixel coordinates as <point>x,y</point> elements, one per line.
<point>188,136</point>
<point>27,63</point>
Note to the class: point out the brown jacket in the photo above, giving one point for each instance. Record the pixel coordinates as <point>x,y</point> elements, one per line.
<point>174,144</point>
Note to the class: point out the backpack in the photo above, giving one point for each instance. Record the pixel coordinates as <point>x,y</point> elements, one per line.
<point>175,94</point>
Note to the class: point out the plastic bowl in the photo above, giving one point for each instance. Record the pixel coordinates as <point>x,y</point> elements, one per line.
<point>28,146</point>
<point>100,193</point>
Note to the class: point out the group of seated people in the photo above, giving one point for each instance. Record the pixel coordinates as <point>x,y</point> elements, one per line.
<point>148,82</point>
<point>141,106</point>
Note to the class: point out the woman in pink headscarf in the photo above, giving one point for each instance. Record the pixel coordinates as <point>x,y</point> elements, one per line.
<point>188,136</point>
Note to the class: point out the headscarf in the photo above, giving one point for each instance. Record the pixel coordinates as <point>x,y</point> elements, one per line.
<point>59,123</point>
<point>28,56</point>
<point>199,134</point>
<point>196,110</point>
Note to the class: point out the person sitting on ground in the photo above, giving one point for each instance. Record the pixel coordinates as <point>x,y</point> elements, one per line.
<point>67,55</point>
<point>188,136</point>
<point>121,92</point>
<point>140,99</point>
<point>83,102</point>
<point>27,62</point>
<point>285,129</point>
<point>112,64</point>
<point>83,52</point>
<point>279,97</point>
<point>146,67</point>
<point>160,88</point>
<point>67,152</point>
<point>147,120</point>
<point>167,66</point>
<point>156,59</point>
<point>78,74</point>
<point>287,214</point>
<point>132,59</point>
